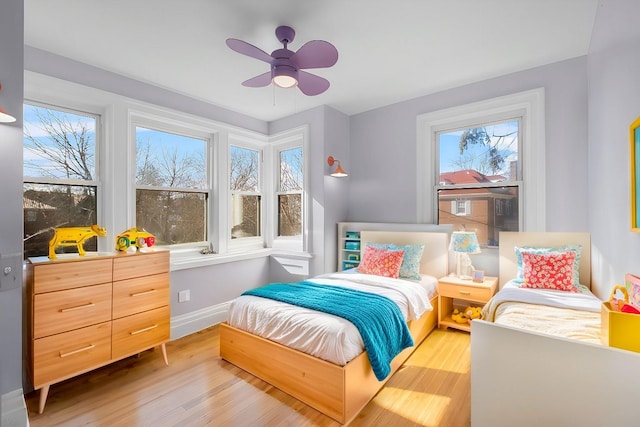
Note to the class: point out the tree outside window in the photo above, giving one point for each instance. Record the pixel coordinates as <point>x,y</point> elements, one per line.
<point>290,188</point>
<point>59,171</point>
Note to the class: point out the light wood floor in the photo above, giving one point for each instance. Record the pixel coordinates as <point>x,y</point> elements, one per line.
<point>198,388</point>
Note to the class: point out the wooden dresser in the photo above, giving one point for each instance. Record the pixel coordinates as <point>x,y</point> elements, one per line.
<point>86,312</point>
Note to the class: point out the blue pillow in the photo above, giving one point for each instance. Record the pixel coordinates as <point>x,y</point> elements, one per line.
<point>410,268</point>
<point>545,250</point>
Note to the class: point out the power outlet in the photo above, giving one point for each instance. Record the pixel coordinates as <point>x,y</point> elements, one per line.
<point>184,296</point>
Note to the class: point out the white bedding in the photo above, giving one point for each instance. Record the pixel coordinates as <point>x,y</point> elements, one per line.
<point>564,314</point>
<point>323,335</point>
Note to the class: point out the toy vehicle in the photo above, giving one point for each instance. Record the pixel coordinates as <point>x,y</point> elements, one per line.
<point>134,236</point>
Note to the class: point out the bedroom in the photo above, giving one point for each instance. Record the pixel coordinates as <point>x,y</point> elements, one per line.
<point>589,105</point>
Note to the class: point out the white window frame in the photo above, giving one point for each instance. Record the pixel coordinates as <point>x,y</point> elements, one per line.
<point>530,106</point>
<point>174,126</point>
<point>251,143</point>
<point>283,141</point>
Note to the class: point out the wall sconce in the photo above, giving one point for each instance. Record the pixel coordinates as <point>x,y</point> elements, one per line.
<point>339,172</point>
<point>4,116</point>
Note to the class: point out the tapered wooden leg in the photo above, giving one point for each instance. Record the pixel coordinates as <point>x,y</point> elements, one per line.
<point>164,353</point>
<point>44,391</point>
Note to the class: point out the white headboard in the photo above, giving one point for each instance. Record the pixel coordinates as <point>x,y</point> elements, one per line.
<point>435,258</point>
<point>509,240</point>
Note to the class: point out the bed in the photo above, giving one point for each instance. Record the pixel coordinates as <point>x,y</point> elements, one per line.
<point>338,390</point>
<point>526,377</point>
<point>574,315</point>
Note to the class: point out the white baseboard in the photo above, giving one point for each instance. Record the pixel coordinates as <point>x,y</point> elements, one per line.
<point>198,320</point>
<point>13,412</point>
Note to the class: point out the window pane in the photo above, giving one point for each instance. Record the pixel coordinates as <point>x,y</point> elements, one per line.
<point>491,150</point>
<point>58,144</point>
<point>487,211</point>
<point>245,169</point>
<point>166,159</point>
<point>291,176</point>
<point>47,206</point>
<point>172,216</point>
<point>290,215</point>
<point>245,211</point>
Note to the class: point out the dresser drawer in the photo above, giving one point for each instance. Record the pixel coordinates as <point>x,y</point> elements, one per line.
<point>64,355</point>
<point>62,311</point>
<point>71,274</point>
<point>467,292</point>
<point>127,266</point>
<point>140,294</point>
<point>139,332</point>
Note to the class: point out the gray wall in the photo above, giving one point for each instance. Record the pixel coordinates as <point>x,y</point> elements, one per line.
<point>614,103</point>
<point>11,60</point>
<point>383,146</point>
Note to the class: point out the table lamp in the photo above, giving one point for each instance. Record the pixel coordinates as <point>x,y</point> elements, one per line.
<point>462,244</point>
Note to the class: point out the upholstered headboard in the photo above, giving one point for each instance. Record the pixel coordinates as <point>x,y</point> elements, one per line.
<point>435,257</point>
<point>509,240</point>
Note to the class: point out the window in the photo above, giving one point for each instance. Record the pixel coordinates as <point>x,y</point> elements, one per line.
<point>246,199</point>
<point>172,188</point>
<point>60,174</point>
<point>478,170</point>
<point>289,194</point>
<point>481,165</point>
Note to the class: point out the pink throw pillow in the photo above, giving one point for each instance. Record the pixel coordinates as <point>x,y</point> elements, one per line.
<point>381,262</point>
<point>549,271</point>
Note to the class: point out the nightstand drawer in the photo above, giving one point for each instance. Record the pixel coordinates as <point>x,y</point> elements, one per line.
<point>470,292</point>
<point>140,294</point>
<point>64,355</point>
<point>141,331</point>
<point>63,311</point>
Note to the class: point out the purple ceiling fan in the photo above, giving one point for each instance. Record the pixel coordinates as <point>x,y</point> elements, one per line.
<point>286,65</point>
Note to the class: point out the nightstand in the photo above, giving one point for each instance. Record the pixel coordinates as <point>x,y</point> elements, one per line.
<point>452,287</point>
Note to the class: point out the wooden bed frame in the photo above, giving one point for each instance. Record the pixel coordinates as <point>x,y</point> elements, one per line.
<point>339,392</point>
<point>526,378</point>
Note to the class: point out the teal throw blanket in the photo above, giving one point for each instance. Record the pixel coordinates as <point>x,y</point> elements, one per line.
<point>379,320</point>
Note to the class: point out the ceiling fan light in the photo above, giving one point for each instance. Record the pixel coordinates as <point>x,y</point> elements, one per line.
<point>284,77</point>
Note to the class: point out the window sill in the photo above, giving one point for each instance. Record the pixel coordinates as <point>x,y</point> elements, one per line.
<point>194,259</point>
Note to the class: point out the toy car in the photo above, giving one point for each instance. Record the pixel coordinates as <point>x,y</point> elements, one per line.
<point>134,236</point>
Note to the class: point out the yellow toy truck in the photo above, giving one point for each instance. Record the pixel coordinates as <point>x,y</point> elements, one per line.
<point>134,236</point>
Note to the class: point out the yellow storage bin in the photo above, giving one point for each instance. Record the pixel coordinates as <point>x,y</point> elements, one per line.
<point>621,330</point>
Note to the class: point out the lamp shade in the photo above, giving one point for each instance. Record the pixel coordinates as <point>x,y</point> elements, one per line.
<point>464,242</point>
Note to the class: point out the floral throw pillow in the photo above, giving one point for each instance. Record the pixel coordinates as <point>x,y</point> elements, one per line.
<point>410,268</point>
<point>381,262</point>
<point>549,271</point>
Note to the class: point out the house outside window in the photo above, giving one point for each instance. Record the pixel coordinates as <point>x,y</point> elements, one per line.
<point>490,154</point>
<point>60,174</point>
<point>172,188</point>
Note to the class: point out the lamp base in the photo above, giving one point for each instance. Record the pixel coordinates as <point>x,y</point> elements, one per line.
<point>463,266</point>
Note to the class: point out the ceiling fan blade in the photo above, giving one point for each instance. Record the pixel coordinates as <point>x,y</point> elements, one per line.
<point>316,54</point>
<point>258,81</point>
<point>249,50</point>
<point>310,84</point>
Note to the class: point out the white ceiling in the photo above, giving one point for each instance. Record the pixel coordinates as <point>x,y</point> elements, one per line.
<point>389,51</point>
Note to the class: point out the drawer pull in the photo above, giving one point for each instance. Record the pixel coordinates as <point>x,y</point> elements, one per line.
<point>80,350</point>
<point>148,328</point>
<point>77,307</point>
<point>137,294</point>
<point>465,293</point>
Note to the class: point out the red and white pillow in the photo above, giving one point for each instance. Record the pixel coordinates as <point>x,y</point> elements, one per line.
<point>381,262</point>
<point>549,271</point>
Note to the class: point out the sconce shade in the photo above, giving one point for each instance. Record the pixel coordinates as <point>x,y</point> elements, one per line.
<point>4,116</point>
<point>339,172</point>
<point>465,242</point>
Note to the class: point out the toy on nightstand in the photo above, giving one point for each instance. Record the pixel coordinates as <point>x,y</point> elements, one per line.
<point>73,236</point>
<point>472,313</point>
<point>458,316</point>
<point>136,237</point>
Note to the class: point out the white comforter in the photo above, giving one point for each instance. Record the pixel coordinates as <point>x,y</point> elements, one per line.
<point>323,335</point>
<point>564,314</point>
